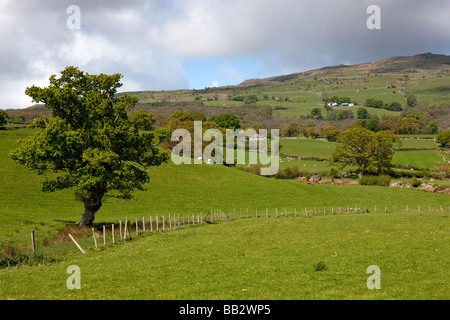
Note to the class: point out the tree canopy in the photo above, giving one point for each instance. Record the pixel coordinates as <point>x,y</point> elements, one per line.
<point>226,120</point>
<point>370,152</point>
<point>90,140</point>
<point>3,118</point>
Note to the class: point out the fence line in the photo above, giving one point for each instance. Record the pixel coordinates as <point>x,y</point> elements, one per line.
<point>218,215</point>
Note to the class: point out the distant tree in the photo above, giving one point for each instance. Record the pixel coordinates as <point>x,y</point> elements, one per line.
<point>312,133</point>
<point>342,100</point>
<point>443,138</point>
<point>330,133</point>
<point>370,152</point>
<point>393,106</point>
<point>372,125</point>
<point>90,141</point>
<point>226,120</point>
<point>182,115</point>
<point>374,103</point>
<point>294,130</point>
<point>411,101</point>
<point>411,125</point>
<point>3,118</point>
<point>316,113</point>
<point>362,113</point>
<point>432,128</point>
<point>198,116</point>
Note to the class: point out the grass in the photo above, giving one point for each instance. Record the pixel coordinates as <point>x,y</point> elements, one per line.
<point>245,259</point>
<point>258,259</point>
<point>419,144</point>
<point>418,159</point>
<point>307,148</point>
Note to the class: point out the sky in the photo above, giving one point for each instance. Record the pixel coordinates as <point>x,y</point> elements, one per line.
<point>187,44</point>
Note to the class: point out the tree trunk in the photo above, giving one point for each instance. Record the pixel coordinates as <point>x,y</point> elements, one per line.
<point>91,206</point>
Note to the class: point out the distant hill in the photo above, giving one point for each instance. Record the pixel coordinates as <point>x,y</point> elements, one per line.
<point>401,64</point>
<point>426,76</point>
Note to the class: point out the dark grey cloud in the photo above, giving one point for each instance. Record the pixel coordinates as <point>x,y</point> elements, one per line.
<point>148,40</point>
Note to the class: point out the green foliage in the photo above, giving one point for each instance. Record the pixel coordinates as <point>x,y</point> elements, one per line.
<point>226,120</point>
<point>411,101</point>
<point>370,180</point>
<point>432,128</point>
<point>341,115</point>
<point>90,141</point>
<point>144,120</point>
<point>374,103</point>
<point>290,172</point>
<point>330,133</point>
<point>362,113</point>
<point>368,151</point>
<point>182,115</point>
<point>415,183</point>
<point>294,130</point>
<point>443,138</point>
<point>316,113</point>
<point>393,106</point>
<point>3,118</point>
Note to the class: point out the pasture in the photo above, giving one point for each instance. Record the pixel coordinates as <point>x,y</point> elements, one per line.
<point>258,259</point>
<point>255,258</point>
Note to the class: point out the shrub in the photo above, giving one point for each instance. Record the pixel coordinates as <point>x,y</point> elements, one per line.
<point>383,180</point>
<point>320,266</point>
<point>415,182</point>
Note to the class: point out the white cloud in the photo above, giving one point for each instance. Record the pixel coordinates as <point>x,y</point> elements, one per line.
<point>148,40</point>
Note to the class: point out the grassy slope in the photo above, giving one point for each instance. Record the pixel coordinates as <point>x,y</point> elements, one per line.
<point>175,189</point>
<point>258,259</point>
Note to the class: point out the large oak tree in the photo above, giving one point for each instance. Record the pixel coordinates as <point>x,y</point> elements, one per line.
<point>90,140</point>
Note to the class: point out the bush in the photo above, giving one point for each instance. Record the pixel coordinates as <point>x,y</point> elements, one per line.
<point>415,182</point>
<point>383,180</point>
<point>320,266</point>
<point>291,172</point>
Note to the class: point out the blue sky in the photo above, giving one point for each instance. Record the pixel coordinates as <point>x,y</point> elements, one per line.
<point>210,72</point>
<point>185,44</point>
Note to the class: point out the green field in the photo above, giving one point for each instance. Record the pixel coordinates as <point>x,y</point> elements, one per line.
<point>419,159</point>
<point>306,148</point>
<point>244,259</point>
<point>419,144</point>
<point>258,259</point>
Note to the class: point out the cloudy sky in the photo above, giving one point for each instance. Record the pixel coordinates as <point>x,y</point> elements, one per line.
<point>185,44</point>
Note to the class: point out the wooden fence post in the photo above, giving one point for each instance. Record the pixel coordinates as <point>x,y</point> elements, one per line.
<point>137,227</point>
<point>104,235</point>
<point>151,224</point>
<point>157,224</point>
<point>170,222</point>
<point>143,224</point>
<point>95,238</point>
<point>33,244</point>
<point>76,243</point>
<point>113,237</point>
<point>120,230</point>
<point>164,223</point>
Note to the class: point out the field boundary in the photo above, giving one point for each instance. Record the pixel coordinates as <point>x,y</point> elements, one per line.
<point>106,235</point>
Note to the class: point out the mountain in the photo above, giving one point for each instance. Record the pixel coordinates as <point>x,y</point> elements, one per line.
<point>401,64</point>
